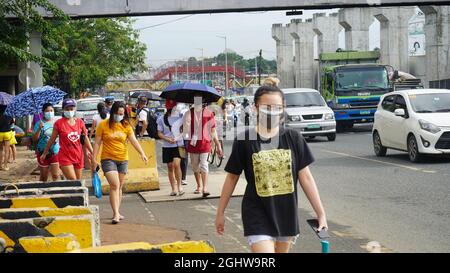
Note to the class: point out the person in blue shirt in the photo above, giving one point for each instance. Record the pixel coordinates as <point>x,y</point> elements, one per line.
<point>43,129</point>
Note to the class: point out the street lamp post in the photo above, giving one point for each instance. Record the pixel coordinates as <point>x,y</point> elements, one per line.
<point>234,72</point>
<point>226,65</point>
<point>187,70</point>
<point>203,66</point>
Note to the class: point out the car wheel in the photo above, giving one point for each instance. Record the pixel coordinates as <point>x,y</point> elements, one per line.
<point>331,137</point>
<point>378,148</point>
<point>413,150</point>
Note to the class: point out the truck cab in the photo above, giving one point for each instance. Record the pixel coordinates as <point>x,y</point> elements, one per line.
<point>352,84</point>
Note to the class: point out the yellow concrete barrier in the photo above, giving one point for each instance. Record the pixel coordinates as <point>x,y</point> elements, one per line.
<point>59,244</point>
<point>175,247</point>
<point>82,227</point>
<point>140,177</point>
<point>29,213</point>
<point>49,201</point>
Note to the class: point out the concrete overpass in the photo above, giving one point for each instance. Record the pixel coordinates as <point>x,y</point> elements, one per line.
<point>114,8</point>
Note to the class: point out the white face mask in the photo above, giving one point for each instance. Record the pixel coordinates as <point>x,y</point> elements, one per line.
<point>69,114</point>
<point>269,118</point>
<point>118,118</point>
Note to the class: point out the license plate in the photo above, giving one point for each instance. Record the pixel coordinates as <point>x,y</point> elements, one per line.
<point>313,126</point>
<point>364,112</point>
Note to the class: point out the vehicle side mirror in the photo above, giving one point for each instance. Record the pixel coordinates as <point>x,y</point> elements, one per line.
<point>400,112</point>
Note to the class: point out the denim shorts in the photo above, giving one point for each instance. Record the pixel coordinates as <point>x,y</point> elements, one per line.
<point>252,239</point>
<point>109,165</point>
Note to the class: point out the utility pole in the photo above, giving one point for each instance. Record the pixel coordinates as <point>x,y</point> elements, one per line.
<point>259,71</point>
<point>226,65</point>
<point>187,69</point>
<point>203,66</point>
<point>176,71</point>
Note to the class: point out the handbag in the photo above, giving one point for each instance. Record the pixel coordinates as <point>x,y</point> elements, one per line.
<point>182,152</point>
<point>97,183</point>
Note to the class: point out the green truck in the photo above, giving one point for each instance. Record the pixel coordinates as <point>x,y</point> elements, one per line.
<point>352,83</point>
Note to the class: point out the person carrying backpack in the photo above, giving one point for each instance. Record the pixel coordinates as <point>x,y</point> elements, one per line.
<point>146,120</point>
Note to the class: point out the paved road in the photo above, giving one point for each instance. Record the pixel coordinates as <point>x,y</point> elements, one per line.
<point>402,205</point>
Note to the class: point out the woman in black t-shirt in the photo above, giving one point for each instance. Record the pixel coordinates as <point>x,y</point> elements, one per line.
<point>273,160</point>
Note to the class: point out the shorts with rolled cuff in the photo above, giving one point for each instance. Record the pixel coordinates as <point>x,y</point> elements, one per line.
<point>253,239</point>
<point>109,165</point>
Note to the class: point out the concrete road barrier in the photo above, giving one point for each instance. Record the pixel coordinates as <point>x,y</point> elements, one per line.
<point>38,185</point>
<point>142,247</point>
<point>44,191</point>
<point>38,244</point>
<point>82,227</point>
<point>140,177</point>
<point>27,213</point>
<point>50,201</point>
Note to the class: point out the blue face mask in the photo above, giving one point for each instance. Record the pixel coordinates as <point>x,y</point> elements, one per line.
<point>118,118</point>
<point>49,115</point>
<point>69,114</point>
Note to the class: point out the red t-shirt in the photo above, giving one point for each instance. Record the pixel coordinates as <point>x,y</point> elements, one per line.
<point>203,144</point>
<point>71,149</point>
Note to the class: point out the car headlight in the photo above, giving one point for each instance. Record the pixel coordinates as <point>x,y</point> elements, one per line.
<point>329,116</point>
<point>294,118</point>
<point>342,105</point>
<point>428,126</point>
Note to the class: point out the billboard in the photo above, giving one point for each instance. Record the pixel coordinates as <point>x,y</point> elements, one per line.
<point>416,33</point>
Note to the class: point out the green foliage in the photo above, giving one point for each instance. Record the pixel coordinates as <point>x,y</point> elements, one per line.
<point>18,18</point>
<point>85,53</point>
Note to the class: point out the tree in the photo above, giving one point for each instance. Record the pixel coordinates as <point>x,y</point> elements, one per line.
<point>85,53</point>
<point>18,18</point>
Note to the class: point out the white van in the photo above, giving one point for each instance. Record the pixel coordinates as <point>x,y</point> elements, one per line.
<point>307,111</point>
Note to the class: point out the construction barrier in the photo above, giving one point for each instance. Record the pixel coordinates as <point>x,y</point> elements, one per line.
<point>27,213</point>
<point>141,247</point>
<point>38,185</point>
<point>50,201</point>
<point>82,227</point>
<point>59,244</point>
<point>140,177</point>
<point>45,191</point>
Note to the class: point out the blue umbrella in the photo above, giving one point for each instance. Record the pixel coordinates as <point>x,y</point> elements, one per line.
<point>184,92</point>
<point>31,101</point>
<point>5,98</point>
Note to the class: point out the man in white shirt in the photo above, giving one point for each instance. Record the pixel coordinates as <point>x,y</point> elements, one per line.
<point>142,113</point>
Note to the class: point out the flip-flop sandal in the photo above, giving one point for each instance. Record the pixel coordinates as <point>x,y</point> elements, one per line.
<point>196,191</point>
<point>180,193</point>
<point>114,222</point>
<point>205,194</point>
<point>173,194</point>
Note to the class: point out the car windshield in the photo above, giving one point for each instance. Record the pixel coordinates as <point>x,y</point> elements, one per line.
<point>369,78</point>
<point>87,106</point>
<point>430,103</point>
<point>304,99</point>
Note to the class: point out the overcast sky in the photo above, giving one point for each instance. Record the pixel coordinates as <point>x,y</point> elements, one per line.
<point>246,33</point>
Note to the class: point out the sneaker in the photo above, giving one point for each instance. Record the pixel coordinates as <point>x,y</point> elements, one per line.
<point>184,183</point>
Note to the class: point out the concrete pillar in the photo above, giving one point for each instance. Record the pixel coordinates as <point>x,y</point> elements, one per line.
<point>285,55</point>
<point>437,36</point>
<point>327,29</point>
<point>356,22</point>
<point>35,49</point>
<point>394,23</point>
<point>303,35</point>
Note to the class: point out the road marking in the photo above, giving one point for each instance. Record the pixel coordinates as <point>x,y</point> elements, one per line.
<point>150,214</point>
<point>382,162</point>
<point>234,223</point>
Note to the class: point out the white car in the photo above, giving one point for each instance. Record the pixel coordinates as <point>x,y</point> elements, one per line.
<point>87,108</point>
<point>307,111</point>
<point>416,121</point>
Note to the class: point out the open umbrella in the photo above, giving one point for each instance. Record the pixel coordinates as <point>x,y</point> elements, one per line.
<point>5,98</point>
<point>184,92</point>
<point>147,94</point>
<point>31,101</point>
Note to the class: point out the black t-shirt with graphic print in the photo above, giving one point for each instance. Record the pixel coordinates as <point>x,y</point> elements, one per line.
<point>271,166</point>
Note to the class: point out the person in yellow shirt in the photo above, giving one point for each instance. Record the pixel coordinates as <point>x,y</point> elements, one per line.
<point>114,133</point>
